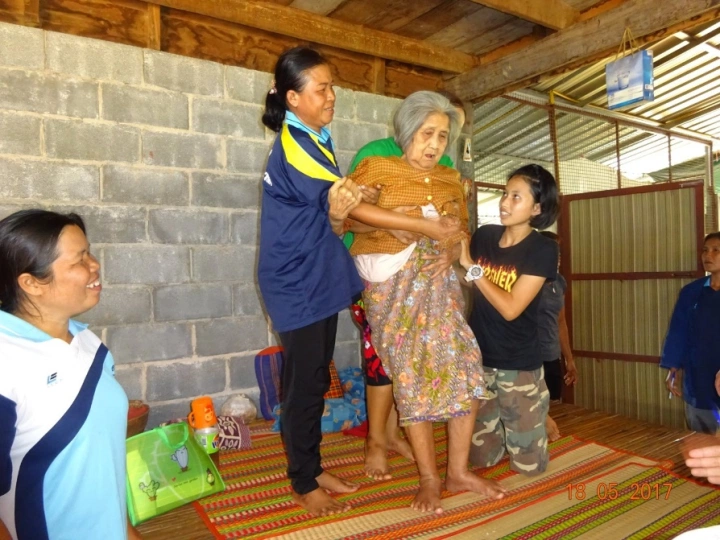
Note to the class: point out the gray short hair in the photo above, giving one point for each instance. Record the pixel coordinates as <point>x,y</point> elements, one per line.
<point>414,110</point>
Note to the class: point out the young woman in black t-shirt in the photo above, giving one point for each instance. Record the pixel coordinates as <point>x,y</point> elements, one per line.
<point>508,265</point>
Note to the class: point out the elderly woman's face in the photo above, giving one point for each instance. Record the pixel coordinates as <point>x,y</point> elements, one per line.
<point>429,142</point>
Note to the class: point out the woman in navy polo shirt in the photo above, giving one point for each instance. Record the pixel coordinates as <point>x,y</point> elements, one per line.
<point>306,275</point>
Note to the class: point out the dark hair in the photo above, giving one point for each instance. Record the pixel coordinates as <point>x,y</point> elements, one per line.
<point>712,236</point>
<point>545,193</point>
<point>454,100</point>
<point>551,235</point>
<point>289,75</point>
<point>28,244</point>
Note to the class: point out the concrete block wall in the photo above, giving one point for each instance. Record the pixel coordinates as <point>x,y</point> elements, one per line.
<point>163,157</point>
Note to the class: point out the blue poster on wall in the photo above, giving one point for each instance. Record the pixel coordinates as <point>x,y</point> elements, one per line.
<point>630,79</point>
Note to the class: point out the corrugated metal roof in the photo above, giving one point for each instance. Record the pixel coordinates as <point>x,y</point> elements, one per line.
<point>687,82</point>
<point>687,97</point>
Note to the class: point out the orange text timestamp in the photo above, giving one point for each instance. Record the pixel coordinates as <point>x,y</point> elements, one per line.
<point>610,491</point>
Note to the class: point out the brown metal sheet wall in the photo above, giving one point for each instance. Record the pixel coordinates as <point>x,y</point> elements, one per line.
<point>628,317</point>
<point>640,232</point>
<point>644,232</point>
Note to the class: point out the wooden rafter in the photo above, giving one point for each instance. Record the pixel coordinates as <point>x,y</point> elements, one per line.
<point>318,29</point>
<point>526,41</point>
<point>554,14</point>
<point>582,43</point>
<point>31,15</point>
<point>154,27</point>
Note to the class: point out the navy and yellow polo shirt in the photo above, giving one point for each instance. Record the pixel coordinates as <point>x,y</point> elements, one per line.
<point>304,271</point>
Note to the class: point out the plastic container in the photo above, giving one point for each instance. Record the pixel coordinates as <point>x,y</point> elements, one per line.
<point>204,423</point>
<point>208,437</point>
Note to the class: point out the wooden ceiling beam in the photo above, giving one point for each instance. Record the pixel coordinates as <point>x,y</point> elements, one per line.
<point>536,36</point>
<point>582,43</point>
<point>315,28</point>
<point>554,14</point>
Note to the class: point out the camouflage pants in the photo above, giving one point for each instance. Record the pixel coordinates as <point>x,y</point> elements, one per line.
<point>513,418</point>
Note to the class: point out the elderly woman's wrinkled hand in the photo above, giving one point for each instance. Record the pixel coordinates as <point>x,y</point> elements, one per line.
<point>344,196</point>
<point>443,228</point>
<point>443,261</point>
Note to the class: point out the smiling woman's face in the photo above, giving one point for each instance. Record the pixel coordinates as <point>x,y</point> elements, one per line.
<point>75,284</point>
<point>429,142</point>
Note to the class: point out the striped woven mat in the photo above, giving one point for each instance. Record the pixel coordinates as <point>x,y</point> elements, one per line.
<point>588,491</point>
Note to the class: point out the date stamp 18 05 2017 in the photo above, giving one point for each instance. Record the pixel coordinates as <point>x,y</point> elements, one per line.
<point>636,492</point>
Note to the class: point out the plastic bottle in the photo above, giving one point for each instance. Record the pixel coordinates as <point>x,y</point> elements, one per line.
<point>204,423</point>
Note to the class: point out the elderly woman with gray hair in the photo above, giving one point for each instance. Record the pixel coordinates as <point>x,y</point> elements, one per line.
<point>418,325</point>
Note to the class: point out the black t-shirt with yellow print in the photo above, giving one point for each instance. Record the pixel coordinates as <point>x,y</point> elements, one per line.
<point>510,344</point>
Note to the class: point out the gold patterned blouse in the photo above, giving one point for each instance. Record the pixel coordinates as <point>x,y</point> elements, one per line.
<point>405,185</point>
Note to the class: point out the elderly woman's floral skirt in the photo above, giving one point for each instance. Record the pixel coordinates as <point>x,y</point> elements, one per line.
<point>419,331</point>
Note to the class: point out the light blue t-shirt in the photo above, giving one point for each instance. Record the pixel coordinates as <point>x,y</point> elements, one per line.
<point>63,419</point>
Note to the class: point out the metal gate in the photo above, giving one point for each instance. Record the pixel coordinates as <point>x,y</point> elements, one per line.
<point>626,253</point>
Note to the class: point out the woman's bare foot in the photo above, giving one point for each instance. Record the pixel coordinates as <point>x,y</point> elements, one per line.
<point>428,496</point>
<point>319,503</point>
<point>376,464</point>
<point>469,481</point>
<point>333,483</point>
<point>401,446</point>
<point>553,432</point>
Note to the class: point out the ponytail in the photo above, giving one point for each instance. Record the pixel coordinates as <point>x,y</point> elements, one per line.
<point>274,113</point>
<point>289,75</point>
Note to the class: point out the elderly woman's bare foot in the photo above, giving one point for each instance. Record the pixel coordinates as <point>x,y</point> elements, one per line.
<point>553,432</point>
<point>319,503</point>
<point>427,498</point>
<point>376,464</point>
<point>468,481</point>
<point>333,483</point>
<point>401,446</point>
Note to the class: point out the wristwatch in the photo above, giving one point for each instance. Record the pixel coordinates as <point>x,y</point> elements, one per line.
<point>474,272</point>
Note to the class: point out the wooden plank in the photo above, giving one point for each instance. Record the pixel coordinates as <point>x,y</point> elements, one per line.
<point>402,80</point>
<point>351,70</point>
<point>154,27</point>
<point>12,11</point>
<point>122,21</point>
<point>554,14</point>
<point>477,24</point>
<point>32,13</point>
<point>526,41</point>
<point>204,37</point>
<point>387,15</point>
<point>321,7</point>
<point>582,43</point>
<point>379,76</point>
<point>210,39</point>
<point>309,26</point>
<point>432,22</point>
<point>497,37</point>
